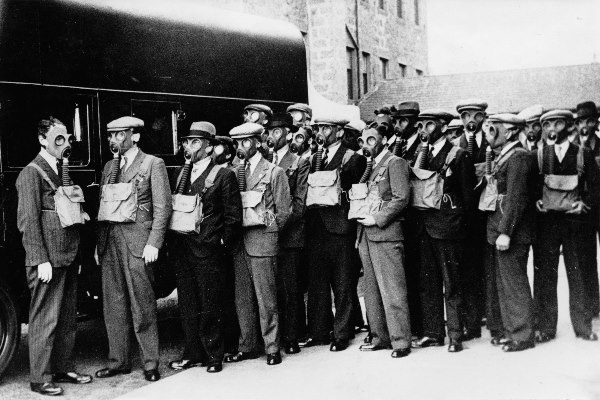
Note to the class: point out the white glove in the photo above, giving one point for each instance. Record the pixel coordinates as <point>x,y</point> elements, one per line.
<point>45,272</point>
<point>150,254</point>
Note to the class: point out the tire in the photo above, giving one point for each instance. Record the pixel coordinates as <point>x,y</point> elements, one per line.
<point>10,328</point>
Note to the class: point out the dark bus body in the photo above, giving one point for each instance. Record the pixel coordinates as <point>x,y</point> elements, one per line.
<point>89,62</point>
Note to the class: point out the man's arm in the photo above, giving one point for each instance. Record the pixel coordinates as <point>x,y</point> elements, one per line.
<point>282,199</point>
<point>517,198</point>
<point>232,207</point>
<point>299,195</point>
<point>399,184</point>
<point>161,203</point>
<point>466,178</point>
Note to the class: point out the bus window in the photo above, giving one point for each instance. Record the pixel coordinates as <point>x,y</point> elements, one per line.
<point>160,126</point>
<point>20,114</point>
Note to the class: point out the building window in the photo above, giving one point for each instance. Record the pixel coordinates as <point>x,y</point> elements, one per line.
<point>351,74</point>
<point>382,4</point>
<point>399,8</point>
<point>366,69</point>
<point>384,68</point>
<point>419,72</point>
<point>402,70</point>
<point>417,12</point>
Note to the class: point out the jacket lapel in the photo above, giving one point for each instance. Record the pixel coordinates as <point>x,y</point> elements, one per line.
<point>379,164</point>
<point>286,161</point>
<point>41,161</point>
<point>336,161</point>
<point>134,168</point>
<point>258,173</point>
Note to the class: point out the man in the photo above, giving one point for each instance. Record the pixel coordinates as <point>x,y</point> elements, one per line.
<point>127,250</point>
<point>509,232</point>
<point>533,128</point>
<point>566,225</point>
<point>51,264</point>
<point>197,258</point>
<point>291,240</point>
<point>255,258</point>
<point>330,242</point>
<point>258,114</point>
<point>380,244</point>
<point>224,151</point>
<point>302,115</point>
<point>586,125</point>
<point>472,115</point>
<point>441,231</point>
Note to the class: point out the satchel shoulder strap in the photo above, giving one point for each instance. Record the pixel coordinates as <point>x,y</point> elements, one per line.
<point>43,174</point>
<point>382,169</point>
<point>451,156</point>
<point>506,156</point>
<point>580,161</point>
<point>144,167</point>
<point>295,163</point>
<point>540,158</point>
<point>212,175</point>
<point>347,156</point>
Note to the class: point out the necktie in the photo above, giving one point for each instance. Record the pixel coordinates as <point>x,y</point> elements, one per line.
<point>471,144</point>
<point>124,167</point>
<point>275,158</point>
<point>325,159</point>
<point>59,168</point>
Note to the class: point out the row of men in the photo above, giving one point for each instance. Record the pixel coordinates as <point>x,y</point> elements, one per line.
<point>277,205</point>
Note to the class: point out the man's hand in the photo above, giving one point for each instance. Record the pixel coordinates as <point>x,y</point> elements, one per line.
<point>150,254</point>
<point>45,272</point>
<point>578,207</point>
<point>503,242</point>
<point>367,220</point>
<point>540,206</point>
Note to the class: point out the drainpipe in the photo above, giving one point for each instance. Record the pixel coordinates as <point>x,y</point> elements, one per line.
<point>357,52</point>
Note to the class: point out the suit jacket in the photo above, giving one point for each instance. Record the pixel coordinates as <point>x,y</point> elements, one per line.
<point>394,190</point>
<point>478,157</point>
<point>292,235</point>
<point>589,183</point>
<point>44,239</point>
<point>335,219</point>
<point>154,206</point>
<point>515,214</point>
<point>459,182</point>
<point>222,213</point>
<point>262,241</point>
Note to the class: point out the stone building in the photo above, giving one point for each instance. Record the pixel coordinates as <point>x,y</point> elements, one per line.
<point>352,45</point>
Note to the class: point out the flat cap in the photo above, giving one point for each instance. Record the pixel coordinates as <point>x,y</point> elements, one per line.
<point>331,121</point>
<point>407,109</point>
<point>260,107</point>
<point>124,123</point>
<point>283,120</point>
<point>557,114</point>
<point>300,107</point>
<point>532,113</point>
<point>507,118</point>
<point>446,117</point>
<point>202,129</point>
<point>587,109</point>
<point>247,129</point>
<point>357,125</point>
<point>455,124</point>
<point>471,104</point>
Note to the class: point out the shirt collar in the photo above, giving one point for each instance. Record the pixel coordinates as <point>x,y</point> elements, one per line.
<point>437,146</point>
<point>391,140</point>
<point>254,160</point>
<point>563,146</point>
<point>331,150</point>
<point>50,159</point>
<point>202,163</point>
<point>509,146</point>
<point>380,156</point>
<point>131,154</point>
<point>282,152</point>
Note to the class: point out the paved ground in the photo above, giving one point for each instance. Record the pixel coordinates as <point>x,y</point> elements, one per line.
<point>564,368</point>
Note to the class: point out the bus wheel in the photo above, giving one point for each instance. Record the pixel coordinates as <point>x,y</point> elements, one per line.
<point>10,329</point>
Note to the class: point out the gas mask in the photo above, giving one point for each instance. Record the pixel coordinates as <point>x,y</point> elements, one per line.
<point>533,131</point>
<point>247,147</point>
<point>430,131</point>
<point>121,141</point>
<point>385,122</point>
<point>300,118</point>
<point>326,135</point>
<point>501,133</point>
<point>221,154</point>
<point>258,117</point>
<point>372,142</point>
<point>472,120</point>
<point>404,127</point>
<point>277,138</point>
<point>196,149</point>
<point>556,130</point>
<point>57,142</point>
<point>586,126</point>
<point>300,141</point>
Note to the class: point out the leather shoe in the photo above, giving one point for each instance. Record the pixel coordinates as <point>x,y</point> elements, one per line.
<point>178,365</point>
<point>498,340</point>
<point>455,346</point>
<point>274,358</point>
<point>109,372</point>
<point>241,356</point>
<point>309,342</point>
<point>215,367</point>
<point>46,388</point>
<point>588,336</point>
<point>399,353</point>
<point>338,345</point>
<point>541,337</point>
<point>514,345</point>
<point>71,377</point>
<point>426,341</point>
<point>151,375</point>
<point>372,347</point>
<point>369,338</point>
<point>291,348</point>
